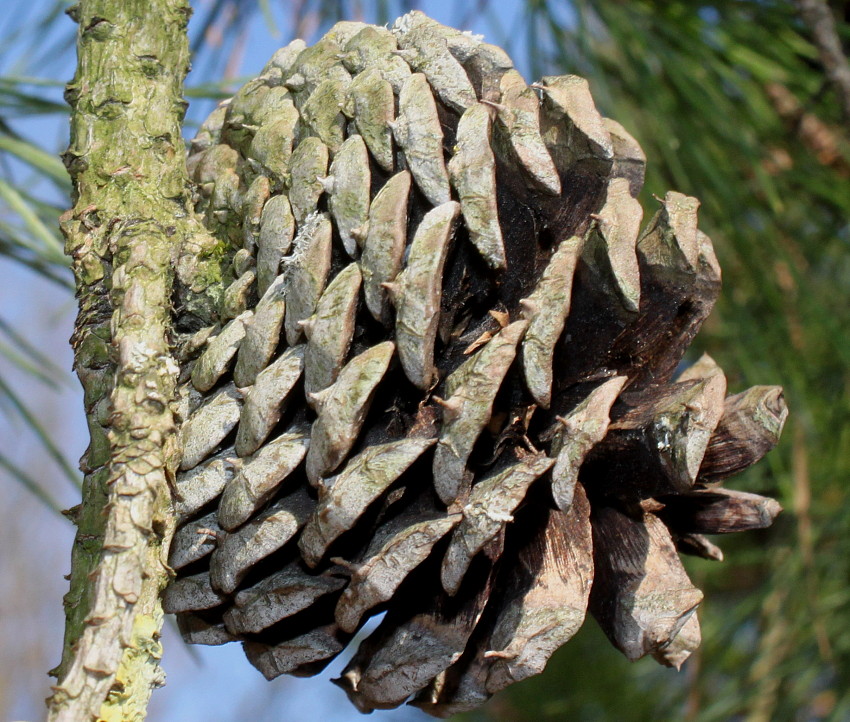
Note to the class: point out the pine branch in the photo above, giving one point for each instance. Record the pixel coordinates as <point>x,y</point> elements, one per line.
<point>818,17</point>
<point>130,217</point>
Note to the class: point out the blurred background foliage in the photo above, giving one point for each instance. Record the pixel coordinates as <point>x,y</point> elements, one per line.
<point>731,103</point>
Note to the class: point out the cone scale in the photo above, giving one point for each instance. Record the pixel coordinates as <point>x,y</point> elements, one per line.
<point>440,381</point>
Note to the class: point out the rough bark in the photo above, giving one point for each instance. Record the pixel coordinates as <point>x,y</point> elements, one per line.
<point>129,219</point>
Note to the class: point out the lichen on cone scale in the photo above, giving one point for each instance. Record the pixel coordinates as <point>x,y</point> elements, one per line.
<point>441,378</point>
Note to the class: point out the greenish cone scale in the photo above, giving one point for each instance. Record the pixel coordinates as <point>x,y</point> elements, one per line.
<point>441,380</point>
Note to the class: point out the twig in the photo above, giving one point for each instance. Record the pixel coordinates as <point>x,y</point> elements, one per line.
<point>818,17</point>
<point>127,162</point>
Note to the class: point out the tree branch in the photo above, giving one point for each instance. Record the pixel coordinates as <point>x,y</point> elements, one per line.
<point>130,218</point>
<point>818,17</point>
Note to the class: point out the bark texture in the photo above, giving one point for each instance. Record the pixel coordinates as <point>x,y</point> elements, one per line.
<point>129,218</point>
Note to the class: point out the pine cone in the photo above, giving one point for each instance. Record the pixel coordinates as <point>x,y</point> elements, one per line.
<point>442,384</point>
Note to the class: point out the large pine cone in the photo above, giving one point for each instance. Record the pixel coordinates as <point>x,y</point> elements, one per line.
<point>454,400</point>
